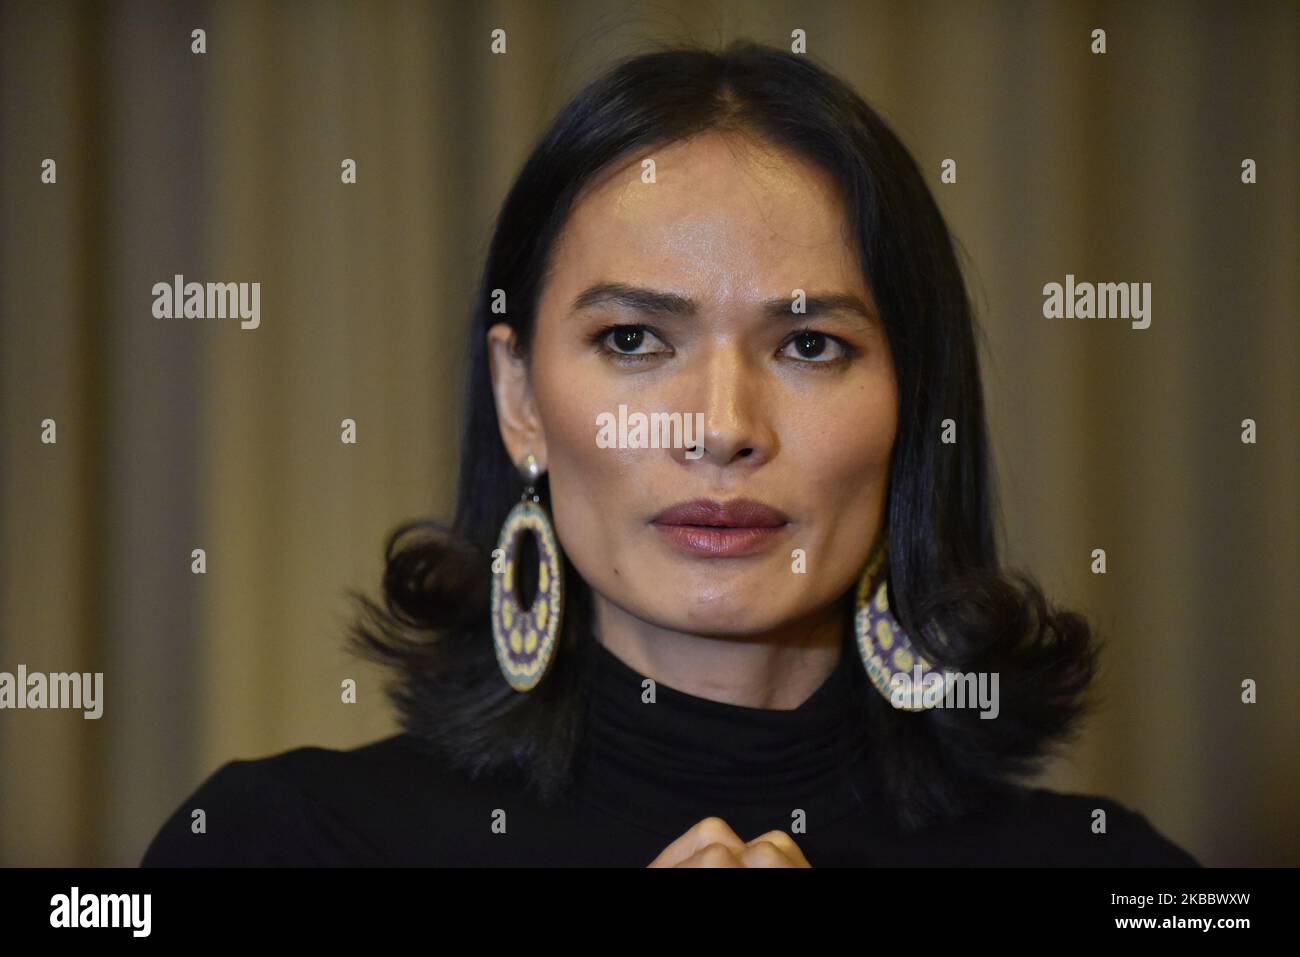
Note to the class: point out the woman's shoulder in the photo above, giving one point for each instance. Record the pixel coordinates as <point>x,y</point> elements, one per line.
<point>307,806</point>
<point>1039,826</point>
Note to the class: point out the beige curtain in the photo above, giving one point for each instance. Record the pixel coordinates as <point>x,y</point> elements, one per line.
<point>225,166</point>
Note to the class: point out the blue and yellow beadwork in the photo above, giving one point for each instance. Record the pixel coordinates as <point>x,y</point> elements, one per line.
<point>525,638</point>
<point>883,646</point>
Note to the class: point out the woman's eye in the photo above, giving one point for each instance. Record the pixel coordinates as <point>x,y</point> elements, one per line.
<point>814,347</point>
<point>631,341</point>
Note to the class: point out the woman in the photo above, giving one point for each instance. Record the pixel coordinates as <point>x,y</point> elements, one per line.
<point>722,587</point>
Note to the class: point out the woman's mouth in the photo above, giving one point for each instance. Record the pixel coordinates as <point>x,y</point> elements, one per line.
<point>724,529</point>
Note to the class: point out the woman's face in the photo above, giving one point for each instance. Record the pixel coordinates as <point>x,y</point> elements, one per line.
<point>799,409</point>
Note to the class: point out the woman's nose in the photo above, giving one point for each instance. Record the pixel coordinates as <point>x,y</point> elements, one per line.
<point>730,392</point>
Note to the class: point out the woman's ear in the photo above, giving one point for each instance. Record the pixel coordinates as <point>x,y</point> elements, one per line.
<point>521,428</point>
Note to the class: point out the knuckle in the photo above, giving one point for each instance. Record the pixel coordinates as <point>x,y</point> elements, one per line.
<point>715,854</point>
<point>713,827</point>
<point>764,854</point>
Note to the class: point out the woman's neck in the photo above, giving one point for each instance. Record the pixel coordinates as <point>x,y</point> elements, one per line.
<point>777,669</point>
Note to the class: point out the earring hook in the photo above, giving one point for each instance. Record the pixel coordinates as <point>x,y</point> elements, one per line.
<point>531,472</point>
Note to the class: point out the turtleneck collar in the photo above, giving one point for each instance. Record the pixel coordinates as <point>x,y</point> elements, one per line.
<point>669,764</point>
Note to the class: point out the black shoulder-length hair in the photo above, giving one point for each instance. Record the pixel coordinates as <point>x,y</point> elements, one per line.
<point>432,627</point>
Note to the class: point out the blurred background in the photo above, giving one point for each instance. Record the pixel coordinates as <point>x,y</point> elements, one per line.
<point>225,166</point>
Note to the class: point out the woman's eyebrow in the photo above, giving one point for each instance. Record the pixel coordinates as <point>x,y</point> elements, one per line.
<point>637,298</point>
<point>662,303</point>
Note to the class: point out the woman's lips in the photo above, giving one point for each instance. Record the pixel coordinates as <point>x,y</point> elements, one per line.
<point>705,540</point>
<point>708,527</point>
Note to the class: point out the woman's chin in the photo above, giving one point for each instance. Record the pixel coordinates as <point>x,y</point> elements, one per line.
<point>744,615</point>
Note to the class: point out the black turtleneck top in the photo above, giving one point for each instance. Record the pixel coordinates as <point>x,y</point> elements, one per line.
<point>649,772</point>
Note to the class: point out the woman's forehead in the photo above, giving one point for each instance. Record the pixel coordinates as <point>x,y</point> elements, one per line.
<point>740,223</point>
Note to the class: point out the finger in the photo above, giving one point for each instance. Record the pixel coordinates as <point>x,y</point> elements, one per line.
<point>711,830</point>
<point>765,854</point>
<point>785,844</point>
<point>714,855</point>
